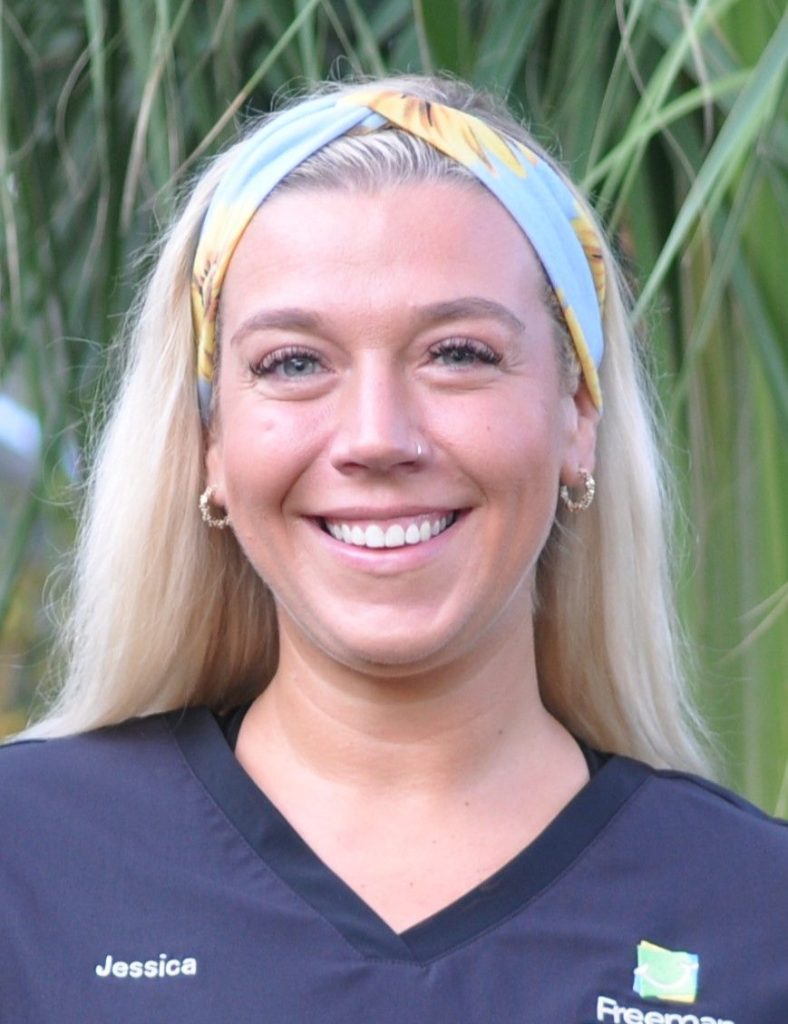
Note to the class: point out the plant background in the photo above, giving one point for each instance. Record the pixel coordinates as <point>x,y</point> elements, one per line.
<point>670,112</point>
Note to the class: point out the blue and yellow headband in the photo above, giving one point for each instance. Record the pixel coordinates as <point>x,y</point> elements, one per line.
<point>561,233</point>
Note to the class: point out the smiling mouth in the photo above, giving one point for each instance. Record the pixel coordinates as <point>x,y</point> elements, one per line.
<point>403,533</point>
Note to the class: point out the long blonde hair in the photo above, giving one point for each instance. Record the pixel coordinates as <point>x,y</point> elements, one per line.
<point>166,613</point>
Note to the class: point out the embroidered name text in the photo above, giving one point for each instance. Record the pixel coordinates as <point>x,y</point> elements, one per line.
<point>164,967</point>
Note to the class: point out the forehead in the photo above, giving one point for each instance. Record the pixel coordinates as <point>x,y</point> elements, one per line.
<point>419,241</point>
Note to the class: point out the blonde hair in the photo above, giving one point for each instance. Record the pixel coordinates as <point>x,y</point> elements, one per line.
<point>167,613</point>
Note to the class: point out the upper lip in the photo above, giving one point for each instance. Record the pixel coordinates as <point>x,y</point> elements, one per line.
<point>392,512</point>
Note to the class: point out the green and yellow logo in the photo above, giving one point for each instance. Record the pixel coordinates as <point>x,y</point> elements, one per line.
<point>667,974</point>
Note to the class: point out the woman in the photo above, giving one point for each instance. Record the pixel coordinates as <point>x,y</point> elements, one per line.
<point>328,748</point>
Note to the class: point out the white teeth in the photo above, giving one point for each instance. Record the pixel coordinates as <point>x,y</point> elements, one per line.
<point>374,537</point>
<point>394,536</point>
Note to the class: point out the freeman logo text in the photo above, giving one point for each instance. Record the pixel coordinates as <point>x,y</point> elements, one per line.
<point>611,1012</point>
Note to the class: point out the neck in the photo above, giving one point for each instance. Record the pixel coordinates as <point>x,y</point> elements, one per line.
<point>439,729</point>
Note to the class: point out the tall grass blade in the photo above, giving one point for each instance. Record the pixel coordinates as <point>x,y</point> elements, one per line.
<point>754,106</point>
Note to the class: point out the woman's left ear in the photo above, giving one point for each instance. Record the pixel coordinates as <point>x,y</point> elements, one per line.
<point>581,446</point>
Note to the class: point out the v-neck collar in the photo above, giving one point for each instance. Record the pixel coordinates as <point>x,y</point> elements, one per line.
<point>284,851</point>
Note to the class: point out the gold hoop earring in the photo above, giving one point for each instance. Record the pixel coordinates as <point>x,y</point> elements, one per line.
<point>587,497</point>
<point>207,515</point>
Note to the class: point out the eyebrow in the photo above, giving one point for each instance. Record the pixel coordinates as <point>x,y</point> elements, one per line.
<point>470,307</point>
<point>287,319</point>
<point>296,318</point>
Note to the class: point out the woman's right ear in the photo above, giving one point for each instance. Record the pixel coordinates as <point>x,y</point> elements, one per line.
<point>214,466</point>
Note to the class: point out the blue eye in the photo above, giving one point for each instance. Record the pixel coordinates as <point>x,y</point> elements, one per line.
<point>464,352</point>
<point>288,362</point>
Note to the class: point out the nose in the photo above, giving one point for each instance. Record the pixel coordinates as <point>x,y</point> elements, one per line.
<point>377,422</point>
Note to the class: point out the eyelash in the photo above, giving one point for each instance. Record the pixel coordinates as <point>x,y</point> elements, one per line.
<point>269,365</point>
<point>481,352</point>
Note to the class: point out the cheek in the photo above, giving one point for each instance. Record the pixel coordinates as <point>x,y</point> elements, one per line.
<point>264,449</point>
<point>508,443</point>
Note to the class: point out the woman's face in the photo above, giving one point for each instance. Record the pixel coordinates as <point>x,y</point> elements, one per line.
<point>389,373</point>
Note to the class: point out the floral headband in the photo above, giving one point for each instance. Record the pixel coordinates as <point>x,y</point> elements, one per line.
<point>561,233</point>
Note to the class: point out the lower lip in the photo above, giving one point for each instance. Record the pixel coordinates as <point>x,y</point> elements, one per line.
<point>390,560</point>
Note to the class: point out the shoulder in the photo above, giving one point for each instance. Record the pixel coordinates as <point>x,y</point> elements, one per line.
<point>43,782</point>
<point>683,864</point>
<point>693,804</point>
<point>82,752</point>
<point>696,836</point>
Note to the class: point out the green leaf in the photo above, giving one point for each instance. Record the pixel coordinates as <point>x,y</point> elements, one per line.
<point>753,107</point>
<point>444,35</point>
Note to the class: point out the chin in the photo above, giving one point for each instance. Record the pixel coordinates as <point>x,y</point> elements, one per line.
<point>387,655</point>
<point>391,653</point>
